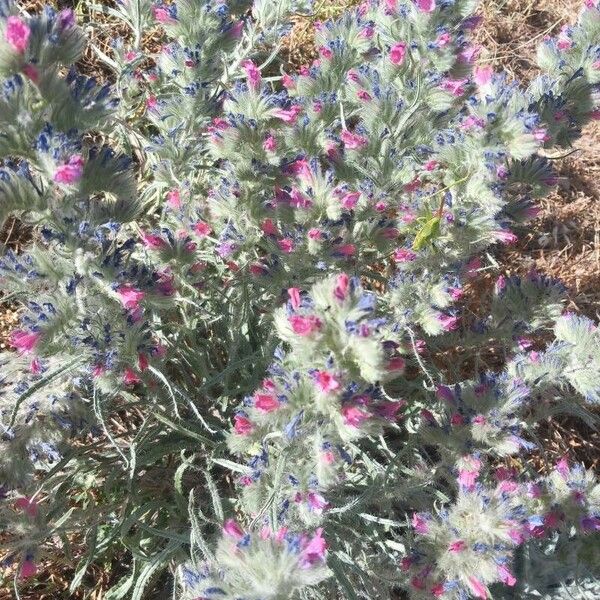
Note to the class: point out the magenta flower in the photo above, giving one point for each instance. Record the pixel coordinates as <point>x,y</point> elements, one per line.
<point>341,286</point>
<point>354,416</point>
<point>28,506</point>
<point>396,364</point>
<point>483,75</point>
<point>402,255</point>
<point>162,15</point>
<point>350,200</point>
<point>419,523</point>
<point>288,115</point>
<point>17,34</point>
<point>232,529</point>
<point>562,467</point>
<point>130,377</point>
<point>316,502</point>
<point>427,6</point>
<point>397,53</point>
<point>456,87</point>
<point>202,229</point>
<point>153,242</point>
<point>505,237</point>
<point>327,382</point>
<point>25,341</point>
<point>286,245</point>
<point>252,74</point>
<point>242,425</point>
<point>305,325</point>
<point>174,199</point>
<point>477,588</point>
<point>353,141</point>
<point>130,297</point>
<point>457,546</point>
<point>326,52</point>
<point>315,550</point>
<point>266,402</point>
<point>346,250</point>
<point>71,172</point>
<point>28,569</point>
<point>364,95</point>
<point>270,144</point>
<point>30,71</point>
<point>269,228</point>
<point>294,294</point>
<point>448,322</point>
<point>288,82</point>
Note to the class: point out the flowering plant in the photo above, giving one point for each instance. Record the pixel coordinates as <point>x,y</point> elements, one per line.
<point>230,364</point>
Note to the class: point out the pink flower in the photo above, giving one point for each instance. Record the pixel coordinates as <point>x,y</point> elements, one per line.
<point>505,237</point>
<point>31,72</point>
<point>402,255</point>
<point>17,34</point>
<point>469,53</point>
<point>315,234</point>
<point>327,457</point>
<point>326,52</point>
<point>288,115</point>
<point>153,242</point>
<point>174,199</point>
<point>396,364</point>
<point>341,286</point>
<point>467,479</point>
<point>541,135</point>
<point>304,325</point>
<point>25,341</point>
<point>431,165</point>
<point>130,297</point>
<point>364,95</point>
<point>398,53</point>
<point>232,529</point>
<point>483,75</point>
<point>269,228</point>
<point>162,15</point>
<point>202,229</point>
<point>28,569</point>
<point>443,39</point>
<point>28,506</point>
<point>506,576</point>
<point>438,590</point>
<point>448,322</point>
<point>130,377</point>
<point>288,82</point>
<point>151,103</point>
<point>455,86</point>
<point>457,546</point>
<point>420,524</point>
<point>354,416</point>
<point>389,409</point>
<point>346,250</point>
<point>477,588</point>
<point>71,172</point>
<point>472,267</point>
<point>366,32</point>
<point>266,402</point>
<point>242,425</point>
<point>252,74</point>
<point>353,141</point>
<point>315,550</point>
<point>427,6</point>
<point>143,363</point>
<point>350,200</point>
<point>326,381</point>
<point>236,29</point>
<point>286,245</point>
<point>562,467</point>
<point>316,502</point>
<point>98,370</point>
<point>294,294</point>
<point>270,144</point>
